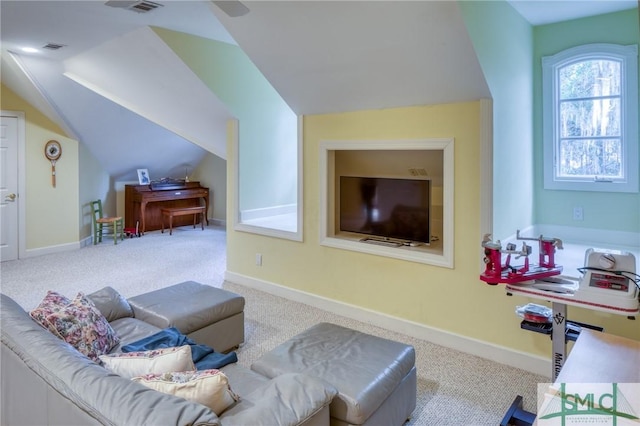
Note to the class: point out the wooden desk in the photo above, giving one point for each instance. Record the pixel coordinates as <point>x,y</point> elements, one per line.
<point>596,357</point>
<point>182,211</point>
<point>602,358</point>
<point>559,305</point>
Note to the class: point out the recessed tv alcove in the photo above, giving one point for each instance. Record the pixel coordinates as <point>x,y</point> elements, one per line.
<point>389,198</point>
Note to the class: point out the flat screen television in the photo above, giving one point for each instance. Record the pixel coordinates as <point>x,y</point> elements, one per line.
<point>387,208</point>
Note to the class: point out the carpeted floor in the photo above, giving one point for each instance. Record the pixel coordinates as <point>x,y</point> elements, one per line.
<point>454,388</point>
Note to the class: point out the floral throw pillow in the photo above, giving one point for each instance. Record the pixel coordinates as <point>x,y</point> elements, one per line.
<point>51,303</point>
<point>133,364</point>
<point>207,387</point>
<point>82,325</point>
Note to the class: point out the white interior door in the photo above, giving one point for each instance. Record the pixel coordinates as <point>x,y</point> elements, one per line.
<point>9,188</point>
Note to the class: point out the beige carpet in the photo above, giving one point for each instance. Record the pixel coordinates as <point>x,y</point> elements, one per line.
<point>454,388</point>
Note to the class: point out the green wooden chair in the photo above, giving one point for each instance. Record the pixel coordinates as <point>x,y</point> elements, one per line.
<point>101,224</point>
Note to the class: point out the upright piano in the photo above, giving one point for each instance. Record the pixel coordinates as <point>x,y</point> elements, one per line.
<point>143,203</point>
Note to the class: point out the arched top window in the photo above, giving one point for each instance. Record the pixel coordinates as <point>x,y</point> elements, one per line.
<point>590,118</point>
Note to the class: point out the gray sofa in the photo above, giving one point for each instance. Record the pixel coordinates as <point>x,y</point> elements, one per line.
<point>45,381</point>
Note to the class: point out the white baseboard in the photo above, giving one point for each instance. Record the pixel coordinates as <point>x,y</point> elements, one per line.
<point>518,359</point>
<point>218,222</point>
<point>87,241</point>
<point>51,249</point>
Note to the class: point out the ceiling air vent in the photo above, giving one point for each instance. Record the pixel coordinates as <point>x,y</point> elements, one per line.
<point>53,46</point>
<point>136,6</point>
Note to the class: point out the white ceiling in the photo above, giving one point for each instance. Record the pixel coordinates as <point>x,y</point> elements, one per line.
<point>540,12</point>
<point>321,56</point>
<point>82,25</point>
<point>123,134</point>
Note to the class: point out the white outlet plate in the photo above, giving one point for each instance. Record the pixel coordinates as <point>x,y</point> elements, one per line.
<point>578,213</point>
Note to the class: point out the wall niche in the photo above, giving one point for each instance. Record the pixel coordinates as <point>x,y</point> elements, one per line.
<point>425,159</point>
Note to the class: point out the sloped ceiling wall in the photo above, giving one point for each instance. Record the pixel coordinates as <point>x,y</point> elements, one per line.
<point>15,76</point>
<point>121,139</point>
<point>320,57</point>
<point>141,73</point>
<point>335,56</point>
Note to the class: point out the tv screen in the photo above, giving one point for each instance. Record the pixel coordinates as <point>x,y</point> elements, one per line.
<point>386,207</point>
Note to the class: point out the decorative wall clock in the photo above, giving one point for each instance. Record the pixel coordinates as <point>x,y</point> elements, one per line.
<point>53,151</point>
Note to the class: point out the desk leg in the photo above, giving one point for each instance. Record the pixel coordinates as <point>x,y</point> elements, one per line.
<point>516,416</point>
<point>559,345</point>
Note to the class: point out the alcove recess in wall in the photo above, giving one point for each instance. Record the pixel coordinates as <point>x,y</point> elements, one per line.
<point>403,159</point>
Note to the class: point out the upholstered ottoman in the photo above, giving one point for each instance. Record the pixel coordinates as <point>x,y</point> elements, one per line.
<point>208,315</point>
<point>375,377</point>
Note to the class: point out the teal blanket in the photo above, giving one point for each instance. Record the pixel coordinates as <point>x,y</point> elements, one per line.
<point>204,357</point>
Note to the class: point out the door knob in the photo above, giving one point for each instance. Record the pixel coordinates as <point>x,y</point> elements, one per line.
<point>11,197</point>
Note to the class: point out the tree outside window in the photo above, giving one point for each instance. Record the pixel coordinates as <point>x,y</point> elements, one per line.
<point>590,119</point>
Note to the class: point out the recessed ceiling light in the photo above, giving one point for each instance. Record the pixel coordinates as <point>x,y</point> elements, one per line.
<point>29,50</point>
<point>53,46</point>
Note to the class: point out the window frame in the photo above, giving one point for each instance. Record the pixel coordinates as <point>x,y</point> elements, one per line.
<point>628,57</point>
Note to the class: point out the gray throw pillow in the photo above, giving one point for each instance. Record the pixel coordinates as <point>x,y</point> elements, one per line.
<point>111,304</point>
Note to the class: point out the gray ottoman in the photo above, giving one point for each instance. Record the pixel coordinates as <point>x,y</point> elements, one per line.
<point>375,377</point>
<point>208,315</point>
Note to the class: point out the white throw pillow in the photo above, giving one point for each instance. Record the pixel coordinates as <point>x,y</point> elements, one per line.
<point>207,387</point>
<point>134,364</point>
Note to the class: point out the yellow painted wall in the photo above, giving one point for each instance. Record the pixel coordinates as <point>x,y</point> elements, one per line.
<point>454,300</point>
<point>52,215</point>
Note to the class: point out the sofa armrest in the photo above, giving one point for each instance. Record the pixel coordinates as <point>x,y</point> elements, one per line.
<point>287,400</point>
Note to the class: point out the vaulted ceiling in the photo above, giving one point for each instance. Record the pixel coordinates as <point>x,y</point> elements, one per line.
<point>117,88</point>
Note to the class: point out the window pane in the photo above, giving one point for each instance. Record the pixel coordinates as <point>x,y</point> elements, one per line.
<point>589,79</point>
<point>590,158</point>
<point>598,117</point>
<point>590,118</point>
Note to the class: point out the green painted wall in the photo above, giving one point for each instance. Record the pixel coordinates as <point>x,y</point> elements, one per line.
<point>503,41</point>
<point>607,211</point>
<point>267,126</point>
<point>95,184</point>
